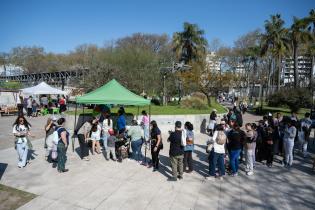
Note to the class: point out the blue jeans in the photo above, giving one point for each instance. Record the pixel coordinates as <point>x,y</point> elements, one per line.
<point>234,155</point>
<point>216,158</point>
<point>105,137</point>
<point>136,149</point>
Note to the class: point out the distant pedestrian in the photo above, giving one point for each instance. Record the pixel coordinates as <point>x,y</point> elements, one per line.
<point>176,152</point>
<point>20,105</point>
<point>21,130</point>
<point>29,106</point>
<point>62,104</point>
<point>304,133</point>
<point>189,148</point>
<point>268,145</point>
<point>34,108</point>
<point>95,136</point>
<point>106,124</point>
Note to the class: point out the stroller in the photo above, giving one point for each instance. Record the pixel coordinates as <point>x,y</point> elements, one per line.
<point>122,147</point>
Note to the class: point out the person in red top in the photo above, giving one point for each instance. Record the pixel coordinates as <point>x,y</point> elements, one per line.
<point>62,105</point>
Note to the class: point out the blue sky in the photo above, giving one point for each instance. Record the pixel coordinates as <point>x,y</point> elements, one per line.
<point>59,26</point>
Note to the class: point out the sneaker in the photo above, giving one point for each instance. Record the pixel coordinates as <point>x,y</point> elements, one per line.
<point>210,178</point>
<point>220,178</point>
<point>180,177</point>
<point>234,174</point>
<point>250,173</point>
<point>86,159</point>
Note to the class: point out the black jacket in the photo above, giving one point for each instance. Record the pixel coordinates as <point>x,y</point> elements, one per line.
<point>176,147</point>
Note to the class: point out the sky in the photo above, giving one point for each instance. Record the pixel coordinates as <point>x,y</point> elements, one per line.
<point>61,25</point>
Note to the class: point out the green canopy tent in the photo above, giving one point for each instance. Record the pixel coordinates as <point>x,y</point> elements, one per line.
<point>111,93</point>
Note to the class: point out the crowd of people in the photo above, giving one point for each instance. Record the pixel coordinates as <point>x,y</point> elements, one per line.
<point>229,144</point>
<point>32,107</point>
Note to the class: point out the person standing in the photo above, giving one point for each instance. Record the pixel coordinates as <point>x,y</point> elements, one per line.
<point>156,144</point>
<point>83,135</point>
<point>212,122</point>
<point>249,149</point>
<point>20,105</point>
<point>268,145</point>
<point>21,130</point>
<point>136,134</point>
<point>62,105</point>
<point>145,124</point>
<point>304,133</point>
<point>234,147</point>
<point>189,148</point>
<point>29,106</point>
<point>289,135</point>
<point>106,124</point>
<point>176,151</point>
<point>34,108</point>
<point>121,122</point>
<point>95,136</point>
<point>111,141</point>
<point>49,128</point>
<point>216,157</point>
<point>62,145</point>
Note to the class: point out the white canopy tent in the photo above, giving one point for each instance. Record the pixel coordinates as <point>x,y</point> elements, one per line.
<point>43,89</point>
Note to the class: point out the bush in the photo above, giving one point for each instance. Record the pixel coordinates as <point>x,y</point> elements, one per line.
<point>292,98</point>
<point>156,101</point>
<point>194,103</point>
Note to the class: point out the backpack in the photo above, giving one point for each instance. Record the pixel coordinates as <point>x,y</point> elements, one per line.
<point>221,138</point>
<point>56,136</point>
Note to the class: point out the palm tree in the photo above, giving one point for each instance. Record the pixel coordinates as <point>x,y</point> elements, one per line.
<point>189,44</point>
<point>275,41</point>
<point>298,34</point>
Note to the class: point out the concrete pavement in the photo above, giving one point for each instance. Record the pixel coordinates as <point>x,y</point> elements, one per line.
<point>99,184</point>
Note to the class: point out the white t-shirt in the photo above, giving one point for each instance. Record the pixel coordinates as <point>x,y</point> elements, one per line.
<point>97,134</point>
<point>105,126</point>
<point>217,147</point>
<point>20,129</point>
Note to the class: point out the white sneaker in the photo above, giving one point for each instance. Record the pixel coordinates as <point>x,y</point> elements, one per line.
<point>250,173</point>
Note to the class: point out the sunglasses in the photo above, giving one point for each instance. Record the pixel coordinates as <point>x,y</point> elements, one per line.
<point>21,120</point>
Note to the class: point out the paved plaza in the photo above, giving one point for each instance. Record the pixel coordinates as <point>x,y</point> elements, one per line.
<point>99,184</point>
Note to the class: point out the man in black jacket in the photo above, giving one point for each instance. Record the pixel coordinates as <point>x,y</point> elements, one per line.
<point>176,151</point>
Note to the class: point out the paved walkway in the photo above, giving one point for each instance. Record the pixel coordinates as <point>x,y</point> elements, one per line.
<point>99,184</point>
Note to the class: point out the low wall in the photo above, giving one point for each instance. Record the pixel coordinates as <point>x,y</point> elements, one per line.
<point>166,122</point>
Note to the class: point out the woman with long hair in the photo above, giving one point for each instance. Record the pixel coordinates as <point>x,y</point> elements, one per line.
<point>189,148</point>
<point>106,125</point>
<point>62,146</point>
<point>156,142</point>
<point>21,130</point>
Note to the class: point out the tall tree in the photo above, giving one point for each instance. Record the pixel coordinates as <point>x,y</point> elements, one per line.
<point>275,40</point>
<point>190,44</point>
<point>298,34</point>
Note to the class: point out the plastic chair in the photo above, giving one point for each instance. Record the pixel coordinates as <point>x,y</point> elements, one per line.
<point>44,111</point>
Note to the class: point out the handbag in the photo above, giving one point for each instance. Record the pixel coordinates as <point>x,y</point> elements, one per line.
<point>54,153</point>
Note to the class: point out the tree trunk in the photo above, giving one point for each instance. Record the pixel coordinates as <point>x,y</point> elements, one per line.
<point>208,100</point>
<point>296,70</point>
<point>279,72</point>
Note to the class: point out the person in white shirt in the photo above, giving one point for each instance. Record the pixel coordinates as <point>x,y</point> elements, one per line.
<point>95,136</point>
<point>21,129</point>
<point>217,153</point>
<point>106,125</point>
<point>29,106</point>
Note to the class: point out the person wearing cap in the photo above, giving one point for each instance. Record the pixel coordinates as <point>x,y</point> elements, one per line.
<point>288,139</point>
<point>49,129</point>
<point>111,141</point>
<point>136,133</point>
<point>176,152</point>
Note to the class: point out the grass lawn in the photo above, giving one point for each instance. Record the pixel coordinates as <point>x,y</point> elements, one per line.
<point>163,110</point>
<point>11,198</point>
<point>283,110</point>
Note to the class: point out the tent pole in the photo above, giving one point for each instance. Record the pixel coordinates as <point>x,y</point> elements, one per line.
<point>145,152</point>
<point>75,122</point>
<point>138,113</point>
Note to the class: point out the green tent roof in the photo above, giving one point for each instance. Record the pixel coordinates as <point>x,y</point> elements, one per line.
<point>112,93</point>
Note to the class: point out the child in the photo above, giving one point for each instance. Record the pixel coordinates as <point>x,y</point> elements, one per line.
<point>95,136</point>
<point>111,145</point>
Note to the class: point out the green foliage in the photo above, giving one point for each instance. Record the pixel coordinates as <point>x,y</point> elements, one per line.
<point>10,85</point>
<point>194,103</point>
<point>295,99</point>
